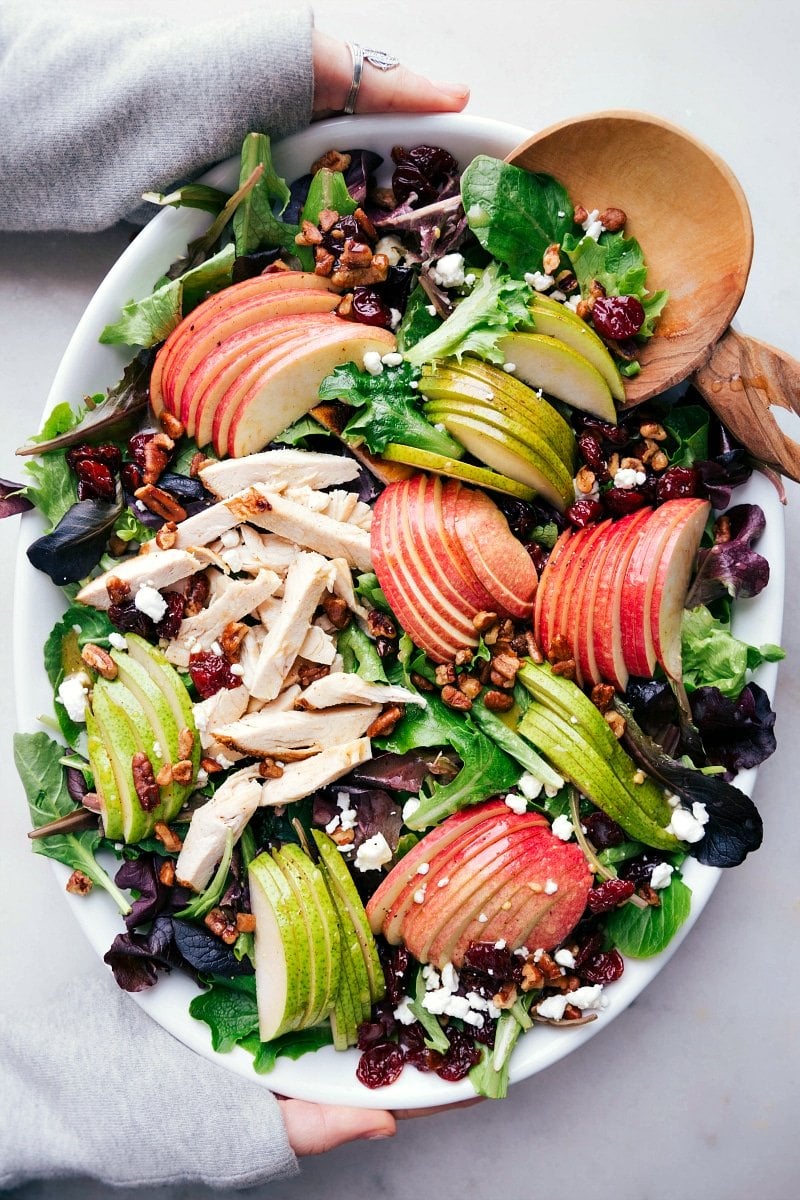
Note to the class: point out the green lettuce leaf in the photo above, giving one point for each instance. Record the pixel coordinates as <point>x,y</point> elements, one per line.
<point>617,263</point>
<point>150,320</point>
<point>713,657</point>
<point>359,655</point>
<point>38,761</point>
<point>255,224</point>
<point>688,424</point>
<point>643,932</point>
<point>496,306</point>
<point>514,214</point>
<point>417,320</point>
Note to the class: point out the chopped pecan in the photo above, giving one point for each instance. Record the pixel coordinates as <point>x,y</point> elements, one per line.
<point>380,625</point>
<point>551,258</point>
<point>160,502</point>
<point>185,742</point>
<point>343,837</point>
<point>649,895</point>
<point>344,277</point>
<point>79,884</point>
<point>327,219</point>
<point>222,924</point>
<point>616,721</point>
<point>548,966</point>
<point>196,595</point>
<point>506,997</point>
<point>532,977</point>
<point>456,699</point>
<point>355,254</point>
<point>210,766</point>
<point>572,1013</point>
<point>167,535</point>
<point>504,669</point>
<point>613,219</point>
<point>197,463</point>
<point>365,224</point>
<point>585,480</point>
<point>144,781</point>
<point>168,838</point>
<point>470,686</point>
<point>565,667</point>
<point>332,160</point>
<point>463,657</point>
<point>269,769</point>
<point>118,590</point>
<point>722,529</point>
<point>559,650</point>
<point>156,457</point>
<point>309,235</point>
<point>307,672</point>
<point>324,262</point>
<point>580,214</point>
<point>631,464</point>
<point>484,620</point>
<point>650,429</point>
<point>166,872</point>
<point>183,771</point>
<point>344,308</point>
<point>164,776</point>
<point>445,673</point>
<point>384,198</point>
<point>172,426</point>
<point>602,696</point>
<point>245,922</point>
<point>421,683</point>
<point>99,660</point>
<point>231,639</point>
<point>583,309</point>
<point>385,722</point>
<point>659,461</point>
<point>497,701</point>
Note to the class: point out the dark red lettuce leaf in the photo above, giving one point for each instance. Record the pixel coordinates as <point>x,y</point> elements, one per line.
<point>11,502</point>
<point>732,568</point>
<point>141,875</point>
<point>207,953</point>
<point>77,543</point>
<point>135,959</point>
<point>376,812</point>
<point>399,772</point>
<point>736,734</point>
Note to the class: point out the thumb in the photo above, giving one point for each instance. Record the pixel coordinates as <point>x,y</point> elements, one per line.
<point>397,90</point>
<point>315,1128</point>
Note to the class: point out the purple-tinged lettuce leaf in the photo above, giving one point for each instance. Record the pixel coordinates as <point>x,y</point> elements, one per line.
<point>732,567</point>
<point>13,499</point>
<point>135,959</point>
<point>720,475</point>
<point>404,772</point>
<point>206,953</point>
<point>77,543</point>
<point>141,875</point>
<point>376,812</point>
<point>736,734</point>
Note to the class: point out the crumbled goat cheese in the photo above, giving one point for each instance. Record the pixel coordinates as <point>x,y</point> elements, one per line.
<point>588,997</point>
<point>562,828</point>
<point>449,977</point>
<point>431,977</point>
<point>333,824</point>
<point>202,776</point>
<point>550,887</point>
<point>475,1019</point>
<point>430,309</point>
<point>553,789</point>
<point>538,281</point>
<point>517,804</point>
<point>573,302</point>
<point>529,785</point>
<point>423,868</point>
<point>553,1007</point>
<point>436,1001</point>
<point>395,317</point>
<point>372,363</point>
<point>700,812</point>
<point>594,230</point>
<point>224,762</point>
<point>72,693</point>
<point>501,944</point>
<point>410,807</point>
<point>685,826</point>
<point>448,272</point>
<point>509,367</point>
<point>661,875</point>
<point>157,751</point>
<point>521,952</point>
<point>403,1013</point>
<point>216,648</point>
<point>117,640</point>
<point>482,918</point>
<point>565,958</point>
<point>627,477</point>
<point>77,629</point>
<point>392,359</point>
<point>237,669</point>
<point>230,538</point>
<point>392,247</point>
<point>150,602</point>
<point>558,295</point>
<point>443,882</point>
<point>373,853</point>
<point>419,894</point>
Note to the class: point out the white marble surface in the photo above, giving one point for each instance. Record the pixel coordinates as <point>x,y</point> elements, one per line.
<point>693,1090</point>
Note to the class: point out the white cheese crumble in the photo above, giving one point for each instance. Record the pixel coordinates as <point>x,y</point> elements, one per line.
<point>661,875</point>
<point>230,538</point>
<point>563,828</point>
<point>529,785</point>
<point>392,247</point>
<point>627,477</point>
<point>550,887</point>
<point>237,669</point>
<point>150,602</point>
<point>593,226</point>
<point>565,958</point>
<point>403,1013</point>
<point>372,363</point>
<point>423,868</point>
<point>449,976</point>
<point>553,789</point>
<point>419,894</point>
<point>589,997</point>
<point>72,693</point>
<point>373,853</point>
<point>517,804</point>
<point>430,309</point>
<point>395,317</point>
<point>409,808</point>
<point>117,640</point>
<point>539,281</point>
<point>443,882</point>
<point>685,826</point>
<point>448,272</point>
<point>573,302</point>
<point>333,824</point>
<point>553,1007</point>
<point>392,359</point>
<point>482,918</point>
<point>509,367</point>
<point>501,944</point>
<point>558,295</point>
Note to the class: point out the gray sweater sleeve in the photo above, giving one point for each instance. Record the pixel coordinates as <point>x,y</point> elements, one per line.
<point>90,1086</point>
<point>97,107</point>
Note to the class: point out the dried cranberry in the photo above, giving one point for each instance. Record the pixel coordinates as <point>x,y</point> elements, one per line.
<point>588,949</point>
<point>210,673</point>
<point>638,870</point>
<point>370,309</point>
<point>603,968</point>
<point>95,481</point>
<point>520,516</point>
<point>170,623</point>
<point>621,501</point>
<point>412,1039</point>
<point>131,476</point>
<point>488,960</point>
<point>538,556</point>
<point>395,969</point>
<point>136,447</point>
<point>461,1057</point>
<point>370,1033</point>
<point>107,454</point>
<point>602,831</point>
<point>129,619</point>
<point>380,1065</point>
<point>617,317</point>
<point>677,483</point>
<point>592,451</point>
<point>486,1033</point>
<point>584,512</point>
<point>609,894</point>
<point>421,171</point>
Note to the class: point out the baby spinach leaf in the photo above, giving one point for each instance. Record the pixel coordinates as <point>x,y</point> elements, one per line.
<point>206,952</point>
<point>514,214</point>
<point>643,932</point>
<point>191,195</point>
<point>359,654</point>
<point>417,320</point>
<point>229,1009</point>
<point>288,1045</point>
<point>38,762</point>
<point>688,424</point>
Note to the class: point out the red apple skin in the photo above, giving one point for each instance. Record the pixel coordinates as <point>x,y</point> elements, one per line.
<point>436,841</point>
<point>608,599</point>
<point>548,589</point>
<point>292,385</point>
<point>672,574</point>
<point>270,284</point>
<point>587,665</point>
<point>560,591</point>
<point>447,861</point>
<point>229,321</point>
<point>576,617</point>
<point>501,562</point>
<point>430,926</point>
<point>431,552</point>
<point>640,578</point>
<point>423,627</point>
<point>219,373</point>
<point>446,554</point>
<point>449,491</point>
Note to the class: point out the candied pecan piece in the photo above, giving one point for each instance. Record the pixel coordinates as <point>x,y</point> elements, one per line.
<point>456,699</point>
<point>385,722</point>
<point>144,781</point>
<point>160,502</point>
<point>79,884</point>
<point>168,838</point>
<point>99,660</point>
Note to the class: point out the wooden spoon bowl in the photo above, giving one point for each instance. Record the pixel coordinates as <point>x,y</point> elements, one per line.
<point>686,208</point>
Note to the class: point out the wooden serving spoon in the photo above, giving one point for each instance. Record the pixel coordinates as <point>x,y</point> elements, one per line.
<point>690,214</point>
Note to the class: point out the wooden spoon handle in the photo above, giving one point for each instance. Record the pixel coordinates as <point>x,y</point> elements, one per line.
<point>741,381</point>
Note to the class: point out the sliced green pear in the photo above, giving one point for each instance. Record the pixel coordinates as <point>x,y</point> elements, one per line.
<point>161,718</point>
<point>104,780</point>
<point>327,942</point>
<point>482,381</point>
<point>546,363</point>
<point>346,1012</point>
<point>558,321</point>
<point>281,954</point>
<point>322,931</point>
<point>121,744</point>
<point>454,469</point>
<point>505,453</point>
<point>344,891</point>
<point>167,679</point>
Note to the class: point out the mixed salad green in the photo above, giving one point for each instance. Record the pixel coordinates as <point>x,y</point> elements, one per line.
<point>464,255</point>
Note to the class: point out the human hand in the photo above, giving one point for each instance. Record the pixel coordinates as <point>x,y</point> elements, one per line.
<point>315,1128</point>
<point>398,90</point>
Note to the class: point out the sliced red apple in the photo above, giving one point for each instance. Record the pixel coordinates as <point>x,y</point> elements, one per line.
<point>560,591</point>
<point>501,561</point>
<point>431,551</point>
<point>290,389</point>
<point>672,574</point>
<point>574,618</point>
<point>547,589</point>
<point>608,599</point>
<point>584,603</point>
<point>445,515</point>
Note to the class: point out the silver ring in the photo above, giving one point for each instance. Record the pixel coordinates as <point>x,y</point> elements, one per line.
<point>376,58</point>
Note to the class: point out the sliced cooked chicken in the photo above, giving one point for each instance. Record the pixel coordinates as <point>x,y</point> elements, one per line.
<point>343,587</point>
<point>334,539</point>
<point>237,601</point>
<point>158,569</point>
<point>226,813</point>
<point>300,779</point>
<point>205,526</point>
<point>278,469</point>
<point>348,688</point>
<point>223,708</point>
<point>280,734</point>
<point>308,578</point>
<point>318,647</point>
<point>266,550</point>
